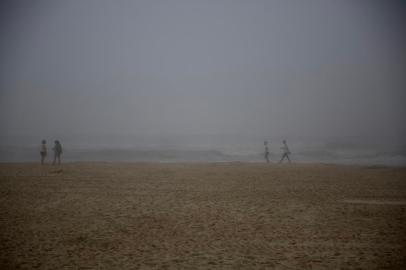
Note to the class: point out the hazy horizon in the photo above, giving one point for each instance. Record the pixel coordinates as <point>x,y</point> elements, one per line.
<point>195,72</point>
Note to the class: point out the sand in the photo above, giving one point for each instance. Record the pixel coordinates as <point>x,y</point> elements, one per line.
<point>202,216</point>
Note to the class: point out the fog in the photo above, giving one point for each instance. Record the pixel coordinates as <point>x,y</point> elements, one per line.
<point>190,71</point>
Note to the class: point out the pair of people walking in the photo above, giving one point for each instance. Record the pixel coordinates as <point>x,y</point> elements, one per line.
<point>57,152</point>
<point>285,152</point>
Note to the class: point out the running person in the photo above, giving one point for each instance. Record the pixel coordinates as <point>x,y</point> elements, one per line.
<point>285,152</point>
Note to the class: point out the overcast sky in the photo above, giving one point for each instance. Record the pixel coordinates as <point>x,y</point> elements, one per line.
<point>301,69</point>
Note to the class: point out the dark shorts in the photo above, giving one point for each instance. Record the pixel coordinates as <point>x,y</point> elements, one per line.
<point>43,154</point>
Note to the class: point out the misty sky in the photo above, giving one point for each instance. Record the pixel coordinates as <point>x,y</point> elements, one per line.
<point>296,69</point>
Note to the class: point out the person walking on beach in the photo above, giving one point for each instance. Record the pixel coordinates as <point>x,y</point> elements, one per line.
<point>43,151</point>
<point>285,152</point>
<point>57,152</point>
<point>266,154</point>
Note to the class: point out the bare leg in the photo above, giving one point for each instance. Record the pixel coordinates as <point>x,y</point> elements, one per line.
<point>59,159</point>
<point>42,159</point>
<point>54,162</point>
<point>283,157</point>
<point>287,156</point>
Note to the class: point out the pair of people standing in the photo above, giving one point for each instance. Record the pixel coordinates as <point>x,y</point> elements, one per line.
<point>285,152</point>
<point>57,152</point>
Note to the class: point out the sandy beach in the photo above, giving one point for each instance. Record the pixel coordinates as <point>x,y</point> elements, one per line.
<point>202,216</point>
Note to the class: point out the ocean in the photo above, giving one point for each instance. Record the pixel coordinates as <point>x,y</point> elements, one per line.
<point>331,153</point>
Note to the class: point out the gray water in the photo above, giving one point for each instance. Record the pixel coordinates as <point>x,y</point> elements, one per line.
<point>205,149</point>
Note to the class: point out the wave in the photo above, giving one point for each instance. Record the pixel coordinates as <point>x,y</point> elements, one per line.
<point>335,155</point>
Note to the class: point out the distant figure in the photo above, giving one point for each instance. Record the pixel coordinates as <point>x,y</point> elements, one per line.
<point>43,151</point>
<point>57,152</point>
<point>266,151</point>
<point>285,152</point>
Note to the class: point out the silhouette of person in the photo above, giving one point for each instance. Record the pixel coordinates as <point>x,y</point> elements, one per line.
<point>285,152</point>
<point>43,151</point>
<point>57,152</point>
<point>266,154</point>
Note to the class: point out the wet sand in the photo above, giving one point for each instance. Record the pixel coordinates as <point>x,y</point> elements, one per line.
<point>202,216</point>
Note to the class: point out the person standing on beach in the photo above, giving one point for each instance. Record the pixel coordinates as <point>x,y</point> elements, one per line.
<point>285,152</point>
<point>57,152</point>
<point>266,154</point>
<point>43,151</point>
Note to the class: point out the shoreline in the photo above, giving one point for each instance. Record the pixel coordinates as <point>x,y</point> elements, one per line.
<point>271,164</point>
